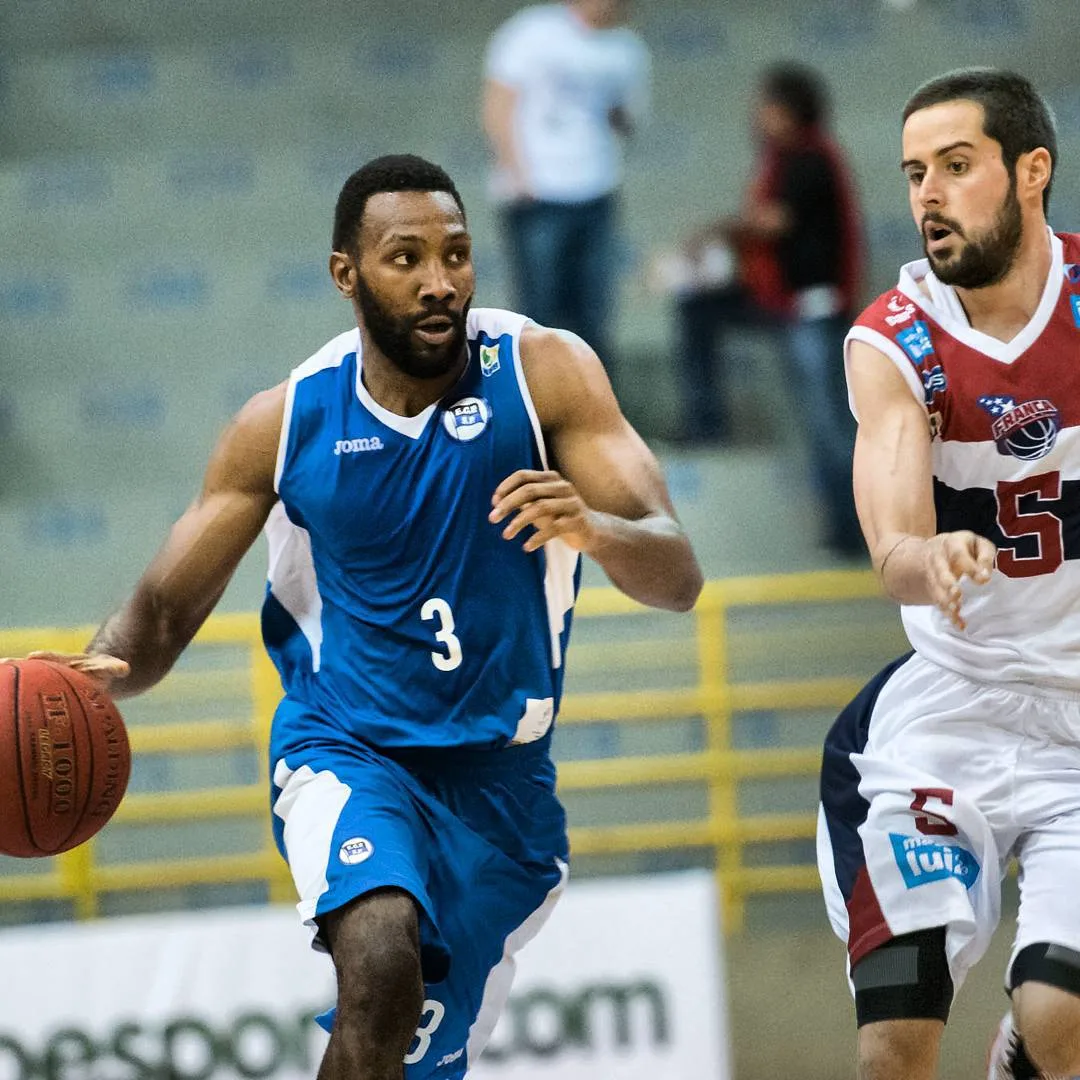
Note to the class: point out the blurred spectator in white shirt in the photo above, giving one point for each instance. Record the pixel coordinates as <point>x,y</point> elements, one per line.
<point>565,83</point>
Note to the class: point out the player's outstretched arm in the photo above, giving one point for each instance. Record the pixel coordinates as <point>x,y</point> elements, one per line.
<point>894,494</point>
<point>136,646</point>
<point>604,493</point>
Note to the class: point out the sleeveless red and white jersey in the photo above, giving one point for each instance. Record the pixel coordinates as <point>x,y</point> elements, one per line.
<point>1005,420</point>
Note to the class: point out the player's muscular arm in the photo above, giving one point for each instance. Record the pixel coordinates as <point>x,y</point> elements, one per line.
<point>605,494</point>
<point>189,573</point>
<point>894,494</point>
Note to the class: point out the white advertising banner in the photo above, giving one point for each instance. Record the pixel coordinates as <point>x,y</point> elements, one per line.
<point>623,983</point>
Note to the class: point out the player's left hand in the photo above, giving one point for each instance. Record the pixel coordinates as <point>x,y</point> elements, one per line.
<point>549,503</point>
<point>103,668</point>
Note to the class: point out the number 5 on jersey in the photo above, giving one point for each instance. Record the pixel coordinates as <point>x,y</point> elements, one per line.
<point>436,608</point>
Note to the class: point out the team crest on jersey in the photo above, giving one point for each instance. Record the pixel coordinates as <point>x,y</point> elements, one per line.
<point>467,419</point>
<point>358,849</point>
<point>489,359</point>
<point>1027,430</point>
<point>1072,273</point>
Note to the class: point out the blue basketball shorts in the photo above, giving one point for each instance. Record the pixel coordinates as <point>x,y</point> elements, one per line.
<point>477,838</point>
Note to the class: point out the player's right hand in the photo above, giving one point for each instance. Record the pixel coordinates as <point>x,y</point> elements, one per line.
<point>103,668</point>
<point>951,557</point>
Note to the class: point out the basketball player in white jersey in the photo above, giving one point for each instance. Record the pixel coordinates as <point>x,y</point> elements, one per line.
<point>965,380</point>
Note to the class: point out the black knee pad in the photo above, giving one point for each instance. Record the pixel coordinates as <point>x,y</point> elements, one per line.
<point>907,978</point>
<point>1054,964</point>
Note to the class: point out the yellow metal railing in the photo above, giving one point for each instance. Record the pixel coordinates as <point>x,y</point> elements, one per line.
<point>713,698</point>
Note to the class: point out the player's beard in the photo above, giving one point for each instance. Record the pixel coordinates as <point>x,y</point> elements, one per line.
<point>983,260</point>
<point>394,336</point>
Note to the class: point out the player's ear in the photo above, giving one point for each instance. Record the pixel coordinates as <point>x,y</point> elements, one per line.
<point>1033,171</point>
<point>344,272</point>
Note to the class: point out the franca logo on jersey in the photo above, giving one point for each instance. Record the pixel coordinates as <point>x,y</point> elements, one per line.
<point>467,419</point>
<point>356,850</point>
<point>922,861</point>
<point>1027,430</point>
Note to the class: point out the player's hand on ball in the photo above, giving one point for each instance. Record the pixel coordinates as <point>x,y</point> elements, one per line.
<point>101,667</point>
<point>950,557</point>
<point>547,502</point>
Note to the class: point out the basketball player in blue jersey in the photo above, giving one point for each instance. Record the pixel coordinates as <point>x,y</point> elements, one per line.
<point>428,481</point>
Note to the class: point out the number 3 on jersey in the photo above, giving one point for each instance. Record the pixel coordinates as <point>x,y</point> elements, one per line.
<point>436,608</point>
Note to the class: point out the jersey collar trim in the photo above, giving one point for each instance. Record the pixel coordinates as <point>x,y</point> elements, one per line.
<point>410,426</point>
<point>945,307</point>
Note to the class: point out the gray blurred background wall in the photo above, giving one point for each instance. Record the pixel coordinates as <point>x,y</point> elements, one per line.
<point>167,175</point>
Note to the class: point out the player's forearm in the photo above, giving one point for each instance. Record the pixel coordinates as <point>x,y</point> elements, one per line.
<point>894,495</point>
<point>650,560</point>
<point>147,634</point>
<point>901,564</point>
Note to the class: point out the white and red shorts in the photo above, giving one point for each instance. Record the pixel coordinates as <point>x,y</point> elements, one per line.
<point>930,784</point>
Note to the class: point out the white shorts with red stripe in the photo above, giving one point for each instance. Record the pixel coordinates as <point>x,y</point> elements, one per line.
<point>930,784</point>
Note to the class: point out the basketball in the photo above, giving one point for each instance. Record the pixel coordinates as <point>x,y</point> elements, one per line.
<point>64,758</point>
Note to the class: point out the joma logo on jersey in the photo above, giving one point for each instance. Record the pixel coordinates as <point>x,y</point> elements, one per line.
<point>922,861</point>
<point>357,446</point>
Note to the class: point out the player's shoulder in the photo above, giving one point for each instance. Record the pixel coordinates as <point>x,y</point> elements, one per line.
<point>902,305</point>
<point>553,347</point>
<point>1070,247</point>
<point>563,374</point>
<point>331,355</point>
<point>493,323</point>
<point>260,418</point>
<point>246,450</point>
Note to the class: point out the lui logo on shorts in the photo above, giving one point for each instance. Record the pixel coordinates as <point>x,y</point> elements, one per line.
<point>922,861</point>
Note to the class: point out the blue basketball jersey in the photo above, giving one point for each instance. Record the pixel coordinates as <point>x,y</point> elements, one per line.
<point>395,611</point>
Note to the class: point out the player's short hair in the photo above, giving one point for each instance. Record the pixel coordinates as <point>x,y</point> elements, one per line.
<point>799,89</point>
<point>1015,114</point>
<point>392,172</point>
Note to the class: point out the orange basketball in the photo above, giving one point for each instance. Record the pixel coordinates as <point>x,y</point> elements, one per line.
<point>64,758</point>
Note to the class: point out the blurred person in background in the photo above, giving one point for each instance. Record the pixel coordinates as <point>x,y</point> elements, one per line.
<point>428,481</point>
<point>565,85</point>
<point>792,260</point>
<point>965,753</point>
